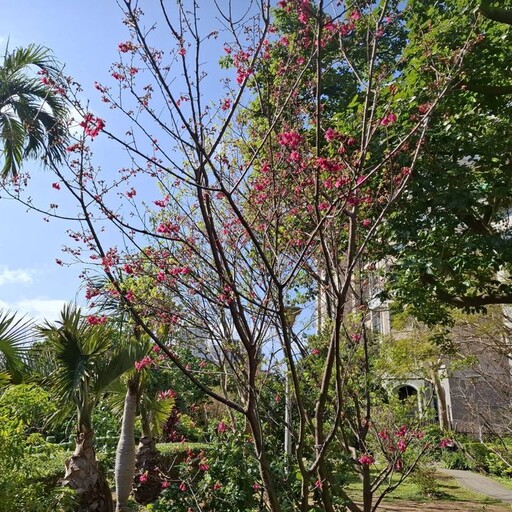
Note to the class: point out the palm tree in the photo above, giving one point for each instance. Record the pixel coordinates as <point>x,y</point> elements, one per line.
<point>15,336</point>
<point>85,365</point>
<point>32,111</point>
<point>137,395</point>
<point>140,398</point>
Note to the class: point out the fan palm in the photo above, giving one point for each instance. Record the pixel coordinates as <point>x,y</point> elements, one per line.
<point>85,365</point>
<point>15,336</point>
<point>32,110</point>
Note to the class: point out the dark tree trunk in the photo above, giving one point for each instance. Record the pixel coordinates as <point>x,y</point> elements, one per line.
<point>84,476</point>
<point>147,461</point>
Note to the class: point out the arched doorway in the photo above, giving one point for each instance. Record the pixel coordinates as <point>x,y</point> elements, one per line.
<point>405,392</point>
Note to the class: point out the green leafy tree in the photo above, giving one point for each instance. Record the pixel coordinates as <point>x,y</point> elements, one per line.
<point>449,240</point>
<point>33,114</point>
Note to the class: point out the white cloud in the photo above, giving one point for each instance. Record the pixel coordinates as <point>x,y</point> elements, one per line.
<point>8,276</point>
<point>35,309</point>
<point>76,118</point>
<point>40,309</point>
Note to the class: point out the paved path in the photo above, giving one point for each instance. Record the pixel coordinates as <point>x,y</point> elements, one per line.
<point>480,484</point>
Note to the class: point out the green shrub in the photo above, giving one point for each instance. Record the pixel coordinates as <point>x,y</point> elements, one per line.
<point>425,479</point>
<point>30,405</point>
<point>455,460</point>
<point>222,476</point>
<point>29,477</point>
<point>477,453</point>
<point>499,462</point>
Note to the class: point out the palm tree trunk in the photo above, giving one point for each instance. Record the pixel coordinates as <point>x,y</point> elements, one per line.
<point>84,475</point>
<point>146,460</point>
<point>125,455</point>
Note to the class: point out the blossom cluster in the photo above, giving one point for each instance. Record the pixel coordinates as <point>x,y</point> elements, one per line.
<point>366,459</point>
<point>395,443</point>
<point>92,125</point>
<point>165,395</point>
<point>96,320</point>
<point>144,363</point>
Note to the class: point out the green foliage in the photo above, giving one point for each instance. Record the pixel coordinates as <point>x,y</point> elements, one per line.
<point>15,335</point>
<point>32,113</point>
<point>29,469</point>
<point>83,363</point>
<point>29,404</point>
<point>105,422</point>
<point>223,477</point>
<point>448,238</point>
<point>499,461</point>
<point>455,460</point>
<point>425,478</point>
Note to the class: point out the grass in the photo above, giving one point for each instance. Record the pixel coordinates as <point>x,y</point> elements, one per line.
<point>446,489</point>
<point>503,480</point>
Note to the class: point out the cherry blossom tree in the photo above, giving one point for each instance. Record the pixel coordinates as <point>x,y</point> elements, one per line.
<point>252,183</point>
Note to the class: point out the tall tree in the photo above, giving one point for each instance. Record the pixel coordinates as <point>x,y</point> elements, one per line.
<point>272,186</point>
<point>450,239</point>
<point>33,113</point>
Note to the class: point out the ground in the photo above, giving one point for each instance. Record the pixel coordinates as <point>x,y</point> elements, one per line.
<point>442,506</point>
<point>454,499</point>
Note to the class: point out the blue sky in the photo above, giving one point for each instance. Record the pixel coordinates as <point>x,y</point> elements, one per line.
<point>84,36</point>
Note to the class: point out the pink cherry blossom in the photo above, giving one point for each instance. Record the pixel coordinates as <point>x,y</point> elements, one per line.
<point>366,459</point>
<point>126,47</point>
<point>388,119</point>
<point>96,320</point>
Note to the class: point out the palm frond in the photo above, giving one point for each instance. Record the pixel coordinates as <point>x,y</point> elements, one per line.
<point>116,393</point>
<point>121,362</point>
<point>13,135</point>
<point>70,342</point>
<point>157,410</point>
<point>40,111</point>
<point>5,379</point>
<point>19,59</point>
<point>16,335</point>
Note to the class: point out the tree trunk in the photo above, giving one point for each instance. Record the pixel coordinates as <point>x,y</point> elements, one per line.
<point>84,475</point>
<point>442,409</point>
<point>125,453</point>
<point>147,461</point>
<point>270,494</point>
<point>367,489</point>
